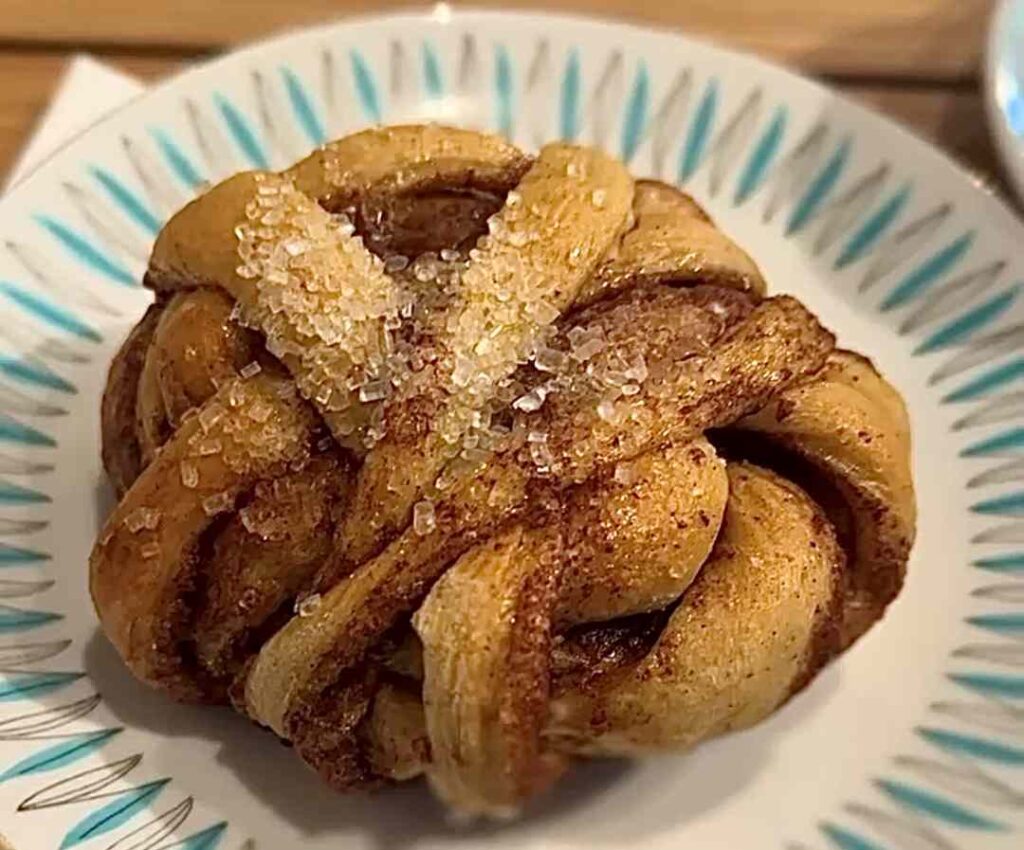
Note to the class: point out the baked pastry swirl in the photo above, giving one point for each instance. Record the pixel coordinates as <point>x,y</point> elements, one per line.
<point>434,457</point>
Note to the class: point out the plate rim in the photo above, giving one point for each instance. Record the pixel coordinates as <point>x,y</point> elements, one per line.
<point>453,15</point>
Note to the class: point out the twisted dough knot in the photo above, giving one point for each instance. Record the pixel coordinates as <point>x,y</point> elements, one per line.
<point>437,458</point>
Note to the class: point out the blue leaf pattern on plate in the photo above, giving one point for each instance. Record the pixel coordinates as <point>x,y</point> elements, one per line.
<point>114,814</point>
<point>700,131</point>
<point>67,752</point>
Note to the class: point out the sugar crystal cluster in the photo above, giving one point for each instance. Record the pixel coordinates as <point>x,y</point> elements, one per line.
<point>142,519</point>
<point>250,423</point>
<point>324,303</point>
<point>539,250</point>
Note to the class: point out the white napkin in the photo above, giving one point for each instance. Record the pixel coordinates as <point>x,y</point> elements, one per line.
<point>87,92</point>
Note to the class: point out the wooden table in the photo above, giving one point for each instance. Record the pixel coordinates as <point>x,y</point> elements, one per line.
<point>917,60</point>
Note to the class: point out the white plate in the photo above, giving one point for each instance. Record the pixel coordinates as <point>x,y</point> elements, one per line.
<point>913,740</point>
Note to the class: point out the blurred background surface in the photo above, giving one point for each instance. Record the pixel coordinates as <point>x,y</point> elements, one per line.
<point>918,61</point>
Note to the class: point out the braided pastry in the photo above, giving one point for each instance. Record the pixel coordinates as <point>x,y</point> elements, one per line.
<point>437,458</point>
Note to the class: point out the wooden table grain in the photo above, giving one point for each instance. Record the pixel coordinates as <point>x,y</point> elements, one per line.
<point>916,60</point>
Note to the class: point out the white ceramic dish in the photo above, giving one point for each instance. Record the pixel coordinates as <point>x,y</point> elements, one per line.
<point>1004,87</point>
<point>912,741</point>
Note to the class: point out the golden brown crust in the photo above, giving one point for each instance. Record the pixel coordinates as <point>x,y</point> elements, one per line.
<point>486,632</point>
<point>198,346</point>
<point>429,430</point>
<point>262,559</point>
<point>152,428</point>
<point>194,348</point>
<point>673,241</point>
<point>777,561</point>
<point>382,163</point>
<point>326,732</point>
<point>851,426</point>
<point>122,455</point>
<point>397,733</point>
<point>639,537</point>
<point>197,246</point>
<point>145,563</point>
<point>412,190</point>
